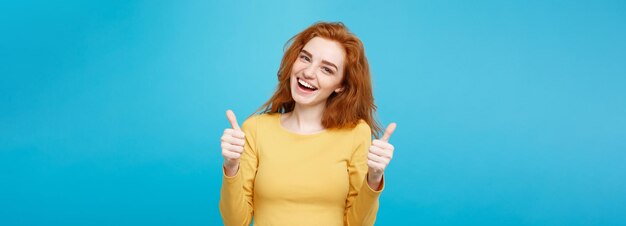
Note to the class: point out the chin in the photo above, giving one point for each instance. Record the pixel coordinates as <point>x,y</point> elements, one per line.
<point>301,101</point>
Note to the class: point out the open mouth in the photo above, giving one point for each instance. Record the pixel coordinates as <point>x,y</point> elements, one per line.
<point>306,86</point>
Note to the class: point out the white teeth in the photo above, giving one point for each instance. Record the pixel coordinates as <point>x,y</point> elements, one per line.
<point>306,84</point>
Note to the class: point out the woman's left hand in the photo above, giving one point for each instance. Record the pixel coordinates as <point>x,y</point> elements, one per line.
<point>380,153</point>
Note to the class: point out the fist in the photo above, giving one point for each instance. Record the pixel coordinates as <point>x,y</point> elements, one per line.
<point>233,141</point>
<point>380,154</point>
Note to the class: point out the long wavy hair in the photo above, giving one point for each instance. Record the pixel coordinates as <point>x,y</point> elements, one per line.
<point>344,109</point>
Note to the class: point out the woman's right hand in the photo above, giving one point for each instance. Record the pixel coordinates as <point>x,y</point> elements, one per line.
<point>233,141</point>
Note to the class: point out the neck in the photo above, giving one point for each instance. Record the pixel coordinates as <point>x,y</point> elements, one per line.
<point>305,119</point>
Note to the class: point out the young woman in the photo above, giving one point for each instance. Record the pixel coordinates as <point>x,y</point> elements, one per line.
<point>309,158</point>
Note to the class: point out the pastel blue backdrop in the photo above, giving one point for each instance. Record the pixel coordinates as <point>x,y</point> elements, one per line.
<point>508,112</point>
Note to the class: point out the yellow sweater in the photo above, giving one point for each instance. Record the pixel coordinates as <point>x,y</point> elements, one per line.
<point>286,178</point>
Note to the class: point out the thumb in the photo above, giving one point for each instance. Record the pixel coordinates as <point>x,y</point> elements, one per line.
<point>390,128</point>
<point>232,119</point>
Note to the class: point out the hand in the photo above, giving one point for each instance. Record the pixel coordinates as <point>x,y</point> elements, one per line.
<point>232,145</point>
<point>380,153</point>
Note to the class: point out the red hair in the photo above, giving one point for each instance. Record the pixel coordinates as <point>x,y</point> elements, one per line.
<point>344,109</point>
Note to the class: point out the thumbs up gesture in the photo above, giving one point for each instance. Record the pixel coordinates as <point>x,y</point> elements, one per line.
<point>232,145</point>
<point>380,153</point>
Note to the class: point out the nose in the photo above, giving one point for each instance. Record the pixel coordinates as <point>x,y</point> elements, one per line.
<point>309,72</point>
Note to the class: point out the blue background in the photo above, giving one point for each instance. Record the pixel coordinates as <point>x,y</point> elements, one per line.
<point>508,112</point>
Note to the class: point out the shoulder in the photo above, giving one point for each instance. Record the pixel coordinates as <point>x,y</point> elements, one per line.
<point>361,136</point>
<point>363,127</point>
<point>258,120</point>
<point>362,130</point>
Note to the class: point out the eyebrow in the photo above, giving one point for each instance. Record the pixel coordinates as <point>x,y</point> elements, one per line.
<point>323,61</point>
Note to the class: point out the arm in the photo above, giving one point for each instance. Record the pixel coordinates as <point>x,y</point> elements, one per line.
<point>236,204</point>
<point>362,201</point>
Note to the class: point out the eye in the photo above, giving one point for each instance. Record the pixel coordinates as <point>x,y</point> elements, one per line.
<point>305,58</point>
<point>328,70</point>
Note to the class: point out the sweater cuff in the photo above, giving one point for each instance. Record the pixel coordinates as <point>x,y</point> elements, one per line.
<point>232,179</point>
<point>366,189</point>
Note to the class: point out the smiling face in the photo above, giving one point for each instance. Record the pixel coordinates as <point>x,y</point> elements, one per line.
<point>317,72</point>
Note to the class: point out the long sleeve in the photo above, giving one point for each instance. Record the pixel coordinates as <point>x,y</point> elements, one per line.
<point>362,201</point>
<point>236,204</point>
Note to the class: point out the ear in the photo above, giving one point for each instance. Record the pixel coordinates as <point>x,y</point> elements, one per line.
<point>339,90</point>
